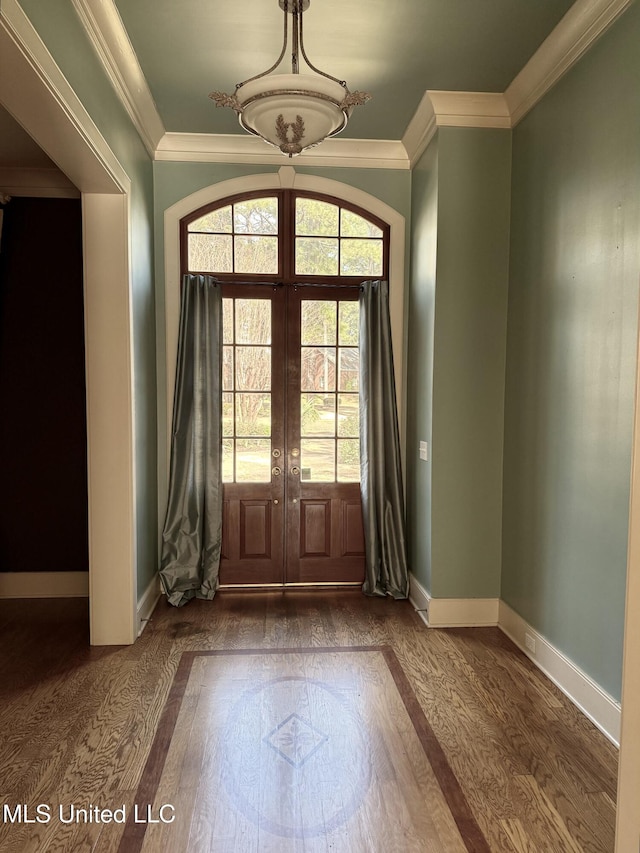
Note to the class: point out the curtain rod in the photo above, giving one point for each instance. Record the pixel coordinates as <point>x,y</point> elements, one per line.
<point>294,284</point>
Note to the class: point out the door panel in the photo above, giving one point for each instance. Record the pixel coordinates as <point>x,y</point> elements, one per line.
<point>253,435</point>
<point>325,543</point>
<point>292,511</point>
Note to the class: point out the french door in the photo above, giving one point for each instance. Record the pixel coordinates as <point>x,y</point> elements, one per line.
<point>291,470</point>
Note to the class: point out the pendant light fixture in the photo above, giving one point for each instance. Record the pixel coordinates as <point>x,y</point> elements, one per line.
<point>292,111</point>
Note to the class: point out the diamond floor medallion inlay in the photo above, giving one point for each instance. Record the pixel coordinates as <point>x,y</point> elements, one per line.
<point>295,740</point>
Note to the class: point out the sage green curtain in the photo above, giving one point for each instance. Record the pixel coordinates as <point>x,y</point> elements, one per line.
<point>192,535</point>
<point>380,470</point>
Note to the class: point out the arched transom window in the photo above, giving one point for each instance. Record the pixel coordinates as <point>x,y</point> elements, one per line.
<point>285,236</point>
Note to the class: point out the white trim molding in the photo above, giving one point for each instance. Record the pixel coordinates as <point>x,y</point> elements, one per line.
<point>580,28</point>
<point>44,584</point>
<point>147,603</point>
<point>418,595</point>
<point>586,695</point>
<point>452,109</point>
<point>463,612</point>
<point>111,445</point>
<point>103,25</point>
<point>242,148</point>
<point>628,814</point>
<point>452,612</point>
<point>45,104</point>
<point>603,711</point>
<point>470,109</point>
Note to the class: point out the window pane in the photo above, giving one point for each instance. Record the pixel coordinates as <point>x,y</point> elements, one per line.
<point>227,414</point>
<point>227,368</point>
<point>349,460</point>
<point>317,414</point>
<point>217,220</point>
<point>318,369</point>
<point>316,218</point>
<point>227,460</point>
<point>253,414</point>
<point>318,322</point>
<point>316,256</point>
<point>227,321</point>
<point>256,255</point>
<point>348,416</point>
<point>253,369</point>
<point>317,459</point>
<point>253,460</point>
<point>253,321</point>
<point>349,369</point>
<point>256,216</point>
<point>348,328</point>
<point>209,253</point>
<point>361,257</point>
<point>353,225</point>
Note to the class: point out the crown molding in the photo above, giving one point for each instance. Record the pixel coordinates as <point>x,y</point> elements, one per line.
<point>240,148</point>
<point>48,107</point>
<point>103,25</point>
<point>470,109</point>
<point>36,183</point>
<point>580,28</point>
<point>452,109</point>
<point>420,130</point>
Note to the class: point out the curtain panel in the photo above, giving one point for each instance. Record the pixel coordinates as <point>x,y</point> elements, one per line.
<point>192,534</point>
<point>380,465</point>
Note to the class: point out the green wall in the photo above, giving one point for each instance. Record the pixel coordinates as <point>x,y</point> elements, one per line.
<point>457,336</point>
<point>469,361</point>
<point>60,29</point>
<point>421,319</point>
<point>571,359</point>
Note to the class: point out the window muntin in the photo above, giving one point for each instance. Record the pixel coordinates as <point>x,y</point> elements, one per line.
<point>238,238</point>
<point>334,241</point>
<point>287,237</point>
<point>246,390</point>
<point>329,376</point>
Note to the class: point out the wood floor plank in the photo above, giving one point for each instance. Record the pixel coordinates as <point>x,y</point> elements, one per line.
<point>78,724</point>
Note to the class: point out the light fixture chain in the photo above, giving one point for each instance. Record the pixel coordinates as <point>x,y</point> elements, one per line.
<point>297,24</point>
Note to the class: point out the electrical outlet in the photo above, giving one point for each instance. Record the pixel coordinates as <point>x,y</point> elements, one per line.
<point>530,643</point>
<point>424,451</point>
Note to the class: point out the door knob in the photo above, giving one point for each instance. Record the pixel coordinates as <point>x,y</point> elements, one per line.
<point>276,453</point>
<point>295,470</point>
<point>276,471</point>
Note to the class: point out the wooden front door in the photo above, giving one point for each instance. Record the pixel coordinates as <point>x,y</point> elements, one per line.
<point>291,470</point>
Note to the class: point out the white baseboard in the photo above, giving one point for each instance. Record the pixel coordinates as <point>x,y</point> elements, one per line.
<point>147,603</point>
<point>452,612</point>
<point>589,697</point>
<point>418,595</point>
<point>44,584</point>
<point>586,695</point>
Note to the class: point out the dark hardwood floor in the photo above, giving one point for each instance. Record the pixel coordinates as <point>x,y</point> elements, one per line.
<point>475,748</point>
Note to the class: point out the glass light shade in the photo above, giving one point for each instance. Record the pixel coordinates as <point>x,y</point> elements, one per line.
<point>292,111</point>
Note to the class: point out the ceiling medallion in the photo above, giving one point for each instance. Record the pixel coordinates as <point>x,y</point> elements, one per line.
<point>292,111</point>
